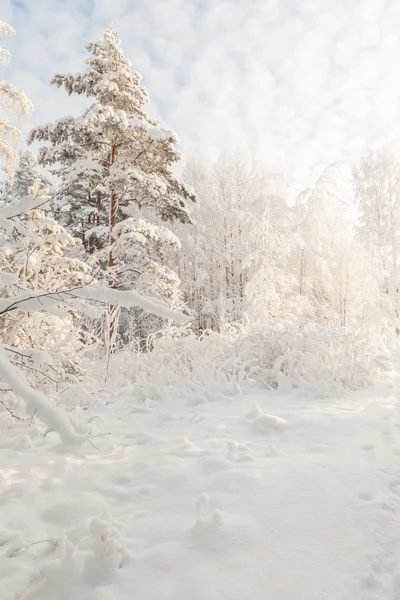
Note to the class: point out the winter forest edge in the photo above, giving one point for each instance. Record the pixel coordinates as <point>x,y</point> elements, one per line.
<point>273,294</point>
<point>119,276</point>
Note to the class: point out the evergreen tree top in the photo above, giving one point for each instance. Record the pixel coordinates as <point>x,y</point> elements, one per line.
<point>109,77</point>
<point>114,143</point>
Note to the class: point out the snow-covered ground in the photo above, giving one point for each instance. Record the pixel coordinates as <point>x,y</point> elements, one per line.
<point>214,501</point>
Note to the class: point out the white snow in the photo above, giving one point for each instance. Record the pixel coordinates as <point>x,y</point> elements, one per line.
<point>260,497</point>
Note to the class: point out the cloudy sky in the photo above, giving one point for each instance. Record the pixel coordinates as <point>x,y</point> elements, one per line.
<point>301,83</point>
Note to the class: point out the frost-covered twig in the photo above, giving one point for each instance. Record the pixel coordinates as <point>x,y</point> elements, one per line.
<point>14,416</point>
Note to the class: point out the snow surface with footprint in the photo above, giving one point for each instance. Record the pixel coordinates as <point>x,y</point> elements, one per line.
<point>261,497</point>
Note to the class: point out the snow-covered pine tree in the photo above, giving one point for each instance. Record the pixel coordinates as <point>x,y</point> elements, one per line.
<point>15,107</point>
<point>26,175</point>
<point>114,153</point>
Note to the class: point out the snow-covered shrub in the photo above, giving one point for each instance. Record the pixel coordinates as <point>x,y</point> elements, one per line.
<point>86,557</point>
<point>180,364</point>
<point>322,361</point>
<point>35,257</point>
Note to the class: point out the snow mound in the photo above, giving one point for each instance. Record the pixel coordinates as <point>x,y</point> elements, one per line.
<point>263,423</point>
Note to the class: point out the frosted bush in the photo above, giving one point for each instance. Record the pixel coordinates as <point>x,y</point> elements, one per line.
<point>322,361</point>
<point>204,368</point>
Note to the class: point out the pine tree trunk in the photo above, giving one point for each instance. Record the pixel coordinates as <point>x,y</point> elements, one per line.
<point>113,311</point>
